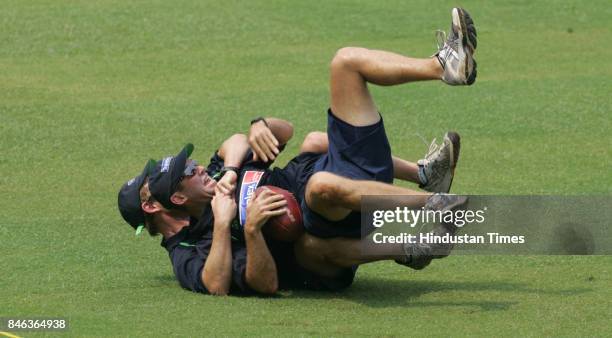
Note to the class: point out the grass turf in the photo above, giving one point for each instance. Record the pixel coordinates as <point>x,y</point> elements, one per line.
<point>90,90</point>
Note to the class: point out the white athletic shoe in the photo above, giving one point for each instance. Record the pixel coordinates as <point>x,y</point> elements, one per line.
<point>419,255</point>
<point>456,54</point>
<point>437,169</point>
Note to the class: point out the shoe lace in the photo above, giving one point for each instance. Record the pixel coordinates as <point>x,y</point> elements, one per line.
<point>440,38</point>
<point>433,146</point>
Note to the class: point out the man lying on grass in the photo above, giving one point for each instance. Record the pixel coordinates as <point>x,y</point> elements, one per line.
<point>311,262</point>
<point>329,186</point>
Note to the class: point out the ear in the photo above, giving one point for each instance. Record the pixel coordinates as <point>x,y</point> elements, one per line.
<point>150,207</point>
<point>178,199</point>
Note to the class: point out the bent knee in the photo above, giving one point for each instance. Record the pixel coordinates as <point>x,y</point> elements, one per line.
<point>312,254</point>
<point>346,57</point>
<point>314,142</point>
<point>322,185</point>
<point>308,244</point>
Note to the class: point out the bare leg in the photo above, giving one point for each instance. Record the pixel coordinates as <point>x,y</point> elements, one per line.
<point>333,196</point>
<point>328,257</point>
<point>405,170</point>
<point>315,142</point>
<point>353,67</point>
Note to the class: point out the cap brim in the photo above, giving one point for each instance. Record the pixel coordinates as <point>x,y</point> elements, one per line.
<point>150,167</point>
<point>178,167</point>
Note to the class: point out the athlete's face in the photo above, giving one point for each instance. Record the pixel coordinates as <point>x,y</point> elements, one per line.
<point>196,185</point>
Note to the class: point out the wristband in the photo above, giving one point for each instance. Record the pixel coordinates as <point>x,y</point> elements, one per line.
<point>259,119</point>
<point>226,169</point>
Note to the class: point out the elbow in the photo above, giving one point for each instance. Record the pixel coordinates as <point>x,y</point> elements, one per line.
<point>289,129</point>
<point>269,289</point>
<point>218,290</point>
<point>216,287</point>
<point>286,134</point>
<point>281,129</point>
<point>230,143</point>
<point>237,138</point>
<point>272,287</point>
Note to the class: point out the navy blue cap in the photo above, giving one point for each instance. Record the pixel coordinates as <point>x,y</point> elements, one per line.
<point>166,175</point>
<point>129,198</point>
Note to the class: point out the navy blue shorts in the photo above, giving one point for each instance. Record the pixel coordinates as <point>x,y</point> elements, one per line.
<point>359,153</point>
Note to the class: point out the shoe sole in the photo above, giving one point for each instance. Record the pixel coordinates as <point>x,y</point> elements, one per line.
<point>471,31</point>
<point>462,19</point>
<point>459,202</point>
<point>472,42</point>
<point>468,30</point>
<point>455,144</point>
<point>451,228</point>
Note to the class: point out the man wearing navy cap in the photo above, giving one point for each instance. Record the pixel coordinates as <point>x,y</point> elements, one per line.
<point>219,264</point>
<point>325,185</point>
<point>313,263</point>
<point>236,256</point>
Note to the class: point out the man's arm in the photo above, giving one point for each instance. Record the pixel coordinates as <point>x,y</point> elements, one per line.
<point>281,129</point>
<point>217,271</point>
<point>261,274</point>
<point>273,132</point>
<point>232,151</point>
<point>267,136</point>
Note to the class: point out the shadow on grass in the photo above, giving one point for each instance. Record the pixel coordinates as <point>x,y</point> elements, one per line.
<point>166,280</point>
<point>389,293</point>
<point>382,293</point>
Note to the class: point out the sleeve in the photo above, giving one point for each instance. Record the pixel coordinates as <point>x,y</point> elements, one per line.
<point>215,165</point>
<point>187,265</point>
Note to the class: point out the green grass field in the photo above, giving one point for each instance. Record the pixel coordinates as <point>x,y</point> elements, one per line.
<point>90,90</point>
